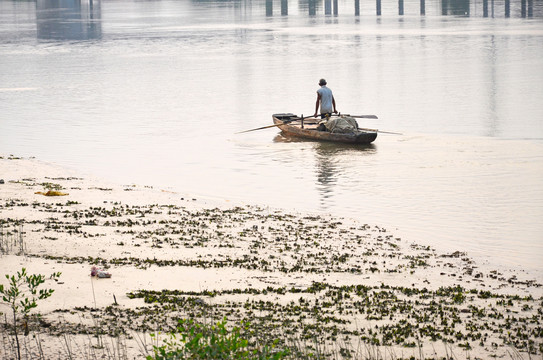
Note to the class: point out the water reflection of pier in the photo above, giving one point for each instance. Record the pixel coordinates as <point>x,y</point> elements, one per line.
<point>448,7</point>
<point>68,19</point>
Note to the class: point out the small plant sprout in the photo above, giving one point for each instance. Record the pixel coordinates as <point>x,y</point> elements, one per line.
<point>21,295</point>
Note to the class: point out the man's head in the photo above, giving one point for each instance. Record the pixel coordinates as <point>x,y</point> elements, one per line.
<point>322,82</point>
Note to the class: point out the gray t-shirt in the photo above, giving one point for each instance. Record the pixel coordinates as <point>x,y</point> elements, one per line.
<point>326,99</point>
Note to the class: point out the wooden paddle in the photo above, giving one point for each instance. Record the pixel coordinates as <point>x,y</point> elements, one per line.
<point>379,131</point>
<point>358,116</point>
<point>354,116</point>
<point>311,117</point>
<point>269,126</point>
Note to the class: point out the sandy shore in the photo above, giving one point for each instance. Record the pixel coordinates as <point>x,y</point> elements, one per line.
<point>305,276</point>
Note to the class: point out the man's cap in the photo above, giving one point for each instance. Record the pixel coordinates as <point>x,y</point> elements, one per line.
<point>322,82</point>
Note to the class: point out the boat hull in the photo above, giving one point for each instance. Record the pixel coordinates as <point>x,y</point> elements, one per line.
<point>309,131</point>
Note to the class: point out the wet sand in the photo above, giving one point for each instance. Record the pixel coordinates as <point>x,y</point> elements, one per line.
<point>293,275</point>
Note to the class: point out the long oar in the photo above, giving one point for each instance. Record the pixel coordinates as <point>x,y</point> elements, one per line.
<point>358,116</point>
<point>269,126</point>
<point>260,128</point>
<point>355,116</point>
<point>311,117</point>
<point>366,117</point>
<point>379,131</point>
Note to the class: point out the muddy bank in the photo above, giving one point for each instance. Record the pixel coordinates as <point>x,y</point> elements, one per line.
<point>317,278</point>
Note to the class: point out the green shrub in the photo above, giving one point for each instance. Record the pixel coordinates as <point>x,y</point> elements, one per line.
<point>196,341</point>
<point>21,295</point>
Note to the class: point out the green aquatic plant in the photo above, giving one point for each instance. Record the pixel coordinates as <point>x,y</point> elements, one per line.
<point>21,295</point>
<point>192,340</point>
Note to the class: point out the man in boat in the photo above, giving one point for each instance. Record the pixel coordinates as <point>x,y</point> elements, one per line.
<point>326,100</point>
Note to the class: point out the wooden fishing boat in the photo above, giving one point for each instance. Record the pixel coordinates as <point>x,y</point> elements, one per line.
<point>293,125</point>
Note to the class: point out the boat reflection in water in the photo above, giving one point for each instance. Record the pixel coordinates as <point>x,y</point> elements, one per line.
<point>331,162</point>
<point>68,19</point>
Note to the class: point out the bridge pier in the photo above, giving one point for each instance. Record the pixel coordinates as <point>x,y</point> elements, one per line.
<point>312,8</point>
<point>327,7</point>
<point>448,7</point>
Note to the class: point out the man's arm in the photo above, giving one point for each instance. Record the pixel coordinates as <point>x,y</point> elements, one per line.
<point>334,104</point>
<point>317,104</point>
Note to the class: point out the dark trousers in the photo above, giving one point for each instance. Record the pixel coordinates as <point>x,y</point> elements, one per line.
<point>325,115</point>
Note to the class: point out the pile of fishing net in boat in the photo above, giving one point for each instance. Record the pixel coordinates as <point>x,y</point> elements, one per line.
<point>342,125</point>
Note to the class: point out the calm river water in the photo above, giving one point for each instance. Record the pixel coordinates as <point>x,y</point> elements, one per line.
<point>153,92</point>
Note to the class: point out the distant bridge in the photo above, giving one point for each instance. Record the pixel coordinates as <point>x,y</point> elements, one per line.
<point>448,7</point>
